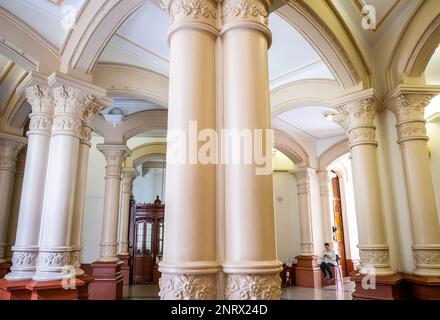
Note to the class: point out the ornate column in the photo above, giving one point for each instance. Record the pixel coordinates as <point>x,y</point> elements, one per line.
<point>325,205</point>
<point>15,205</point>
<point>409,106</point>
<point>307,271</point>
<point>357,117</point>
<point>72,98</point>
<point>128,175</point>
<point>251,266</point>
<point>189,267</point>
<point>305,216</point>
<point>114,156</point>
<point>80,189</point>
<point>107,269</point>
<point>25,249</point>
<point>10,147</point>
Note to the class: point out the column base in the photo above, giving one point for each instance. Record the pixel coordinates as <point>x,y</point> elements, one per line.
<point>83,292</point>
<point>126,269</point>
<point>308,273</point>
<point>14,290</point>
<point>108,284</point>
<point>55,290</point>
<point>368,287</point>
<point>422,288</point>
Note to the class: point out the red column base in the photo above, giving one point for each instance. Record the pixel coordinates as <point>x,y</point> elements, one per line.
<point>83,292</point>
<point>54,290</point>
<point>14,290</point>
<point>125,269</point>
<point>307,272</point>
<point>422,288</point>
<point>108,284</point>
<point>4,269</point>
<point>386,287</point>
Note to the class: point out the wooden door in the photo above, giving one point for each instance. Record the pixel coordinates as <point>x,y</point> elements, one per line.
<point>144,256</point>
<point>339,224</point>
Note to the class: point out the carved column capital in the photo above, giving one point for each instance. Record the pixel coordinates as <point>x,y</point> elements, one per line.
<point>114,156</point>
<point>41,99</point>
<point>302,176</point>
<point>128,175</point>
<point>409,109</point>
<point>250,14</point>
<point>196,14</point>
<point>10,147</point>
<point>357,118</point>
<point>91,109</point>
<point>324,178</point>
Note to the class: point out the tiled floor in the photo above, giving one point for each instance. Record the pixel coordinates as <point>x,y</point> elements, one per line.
<point>149,292</point>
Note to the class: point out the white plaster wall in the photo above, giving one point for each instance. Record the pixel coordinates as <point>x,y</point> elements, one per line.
<point>433,130</point>
<point>146,188</point>
<point>286,216</point>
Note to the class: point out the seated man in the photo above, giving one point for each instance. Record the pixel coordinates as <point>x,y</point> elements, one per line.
<point>328,261</point>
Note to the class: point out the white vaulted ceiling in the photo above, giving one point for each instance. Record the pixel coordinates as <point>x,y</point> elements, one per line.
<point>141,41</point>
<point>48,17</point>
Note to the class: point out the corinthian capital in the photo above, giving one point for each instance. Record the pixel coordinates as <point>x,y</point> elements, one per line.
<point>302,176</point>
<point>10,147</point>
<point>114,156</point>
<point>411,106</point>
<point>182,12</point>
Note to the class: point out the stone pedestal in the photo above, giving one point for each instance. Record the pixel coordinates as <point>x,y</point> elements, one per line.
<point>379,288</point>
<point>125,269</point>
<point>55,290</point>
<point>14,290</point>
<point>422,288</point>
<point>4,269</point>
<point>83,292</point>
<point>307,272</point>
<point>108,284</point>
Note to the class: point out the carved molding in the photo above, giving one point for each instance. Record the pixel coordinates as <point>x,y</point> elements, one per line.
<point>412,131</point>
<point>303,181</point>
<point>75,258</point>
<point>10,147</point>
<point>411,107</point>
<point>246,10</point>
<point>177,286</point>
<point>53,259</point>
<point>73,101</point>
<point>253,287</point>
<point>194,9</point>
<point>41,99</point>
<point>67,125</point>
<point>24,259</point>
<point>107,250</point>
<point>307,248</point>
<point>2,252</point>
<point>374,257</point>
<point>427,257</point>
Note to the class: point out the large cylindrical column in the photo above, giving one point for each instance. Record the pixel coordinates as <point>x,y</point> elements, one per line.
<point>10,147</point>
<point>15,204</point>
<point>305,215</point>
<point>373,247</point>
<point>54,252</point>
<point>114,156</point>
<point>25,249</point>
<point>189,267</point>
<point>411,128</point>
<point>128,175</point>
<point>80,189</point>
<point>251,265</point>
<point>325,206</point>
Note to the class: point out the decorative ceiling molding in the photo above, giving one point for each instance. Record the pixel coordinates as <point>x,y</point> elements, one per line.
<point>58,3</point>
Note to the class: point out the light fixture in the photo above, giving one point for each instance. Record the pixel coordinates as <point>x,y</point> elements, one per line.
<point>115,116</point>
<point>330,115</point>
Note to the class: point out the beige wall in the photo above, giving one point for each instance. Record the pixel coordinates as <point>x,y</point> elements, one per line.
<point>433,130</point>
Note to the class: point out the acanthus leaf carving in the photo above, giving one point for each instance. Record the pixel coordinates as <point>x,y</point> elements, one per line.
<point>253,287</point>
<point>188,286</point>
<point>245,8</point>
